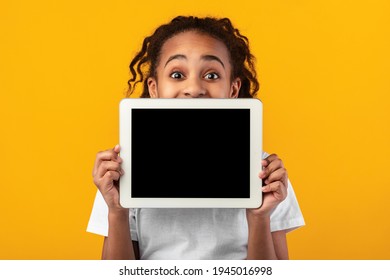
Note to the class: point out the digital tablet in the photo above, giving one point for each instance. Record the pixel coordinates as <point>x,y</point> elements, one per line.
<point>190,153</point>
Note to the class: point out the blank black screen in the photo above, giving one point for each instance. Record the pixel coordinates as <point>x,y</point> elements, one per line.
<point>190,153</point>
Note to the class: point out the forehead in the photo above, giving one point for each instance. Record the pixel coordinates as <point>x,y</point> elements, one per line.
<point>192,44</point>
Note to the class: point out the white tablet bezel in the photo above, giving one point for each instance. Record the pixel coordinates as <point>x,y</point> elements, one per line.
<point>256,128</point>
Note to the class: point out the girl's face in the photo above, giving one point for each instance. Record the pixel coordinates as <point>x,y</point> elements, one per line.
<point>193,65</point>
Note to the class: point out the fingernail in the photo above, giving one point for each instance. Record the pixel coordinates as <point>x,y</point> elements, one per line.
<point>122,172</point>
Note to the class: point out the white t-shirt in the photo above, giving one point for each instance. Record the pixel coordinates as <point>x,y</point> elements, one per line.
<point>194,233</point>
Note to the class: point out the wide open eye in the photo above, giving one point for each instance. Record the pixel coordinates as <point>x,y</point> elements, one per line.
<point>211,76</point>
<point>177,75</point>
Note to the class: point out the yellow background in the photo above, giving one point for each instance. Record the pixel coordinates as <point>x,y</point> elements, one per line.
<point>324,69</point>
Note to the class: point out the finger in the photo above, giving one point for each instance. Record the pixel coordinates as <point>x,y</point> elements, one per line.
<point>271,157</point>
<point>275,163</point>
<point>264,163</point>
<point>108,180</point>
<point>111,154</point>
<point>106,155</point>
<point>277,188</point>
<point>117,148</point>
<point>272,187</point>
<point>278,175</point>
<point>103,156</point>
<point>106,166</point>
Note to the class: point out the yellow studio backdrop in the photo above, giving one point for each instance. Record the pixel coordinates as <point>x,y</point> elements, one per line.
<point>324,69</point>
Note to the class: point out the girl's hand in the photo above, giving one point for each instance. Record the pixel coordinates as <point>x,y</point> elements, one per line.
<point>275,183</point>
<point>106,173</point>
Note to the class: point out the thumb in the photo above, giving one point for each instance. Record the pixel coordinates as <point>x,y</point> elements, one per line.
<point>117,148</point>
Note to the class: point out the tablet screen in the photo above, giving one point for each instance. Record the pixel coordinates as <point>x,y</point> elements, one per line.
<point>190,153</point>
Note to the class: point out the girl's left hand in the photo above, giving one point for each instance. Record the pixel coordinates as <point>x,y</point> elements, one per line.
<point>274,177</point>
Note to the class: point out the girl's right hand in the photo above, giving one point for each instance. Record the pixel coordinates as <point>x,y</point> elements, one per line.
<point>106,173</point>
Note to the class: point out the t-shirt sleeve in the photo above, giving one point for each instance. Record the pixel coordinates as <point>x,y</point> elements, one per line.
<point>98,220</point>
<point>287,215</point>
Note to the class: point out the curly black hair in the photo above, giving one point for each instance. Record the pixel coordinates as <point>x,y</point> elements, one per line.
<point>143,65</point>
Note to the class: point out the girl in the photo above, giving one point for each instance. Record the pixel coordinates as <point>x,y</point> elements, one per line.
<point>194,57</point>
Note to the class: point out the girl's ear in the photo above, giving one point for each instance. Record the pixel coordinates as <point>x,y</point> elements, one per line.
<point>235,88</point>
<point>152,87</point>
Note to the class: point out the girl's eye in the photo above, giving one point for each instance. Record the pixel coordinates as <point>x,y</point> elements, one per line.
<point>211,76</point>
<point>177,75</point>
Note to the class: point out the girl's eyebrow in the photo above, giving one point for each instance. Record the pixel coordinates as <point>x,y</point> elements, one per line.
<point>210,57</point>
<point>176,56</point>
<point>207,57</point>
